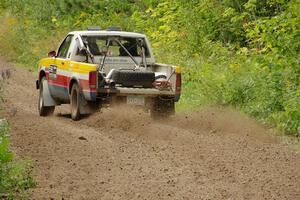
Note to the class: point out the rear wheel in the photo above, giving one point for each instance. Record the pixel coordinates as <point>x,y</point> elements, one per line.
<point>162,107</point>
<point>75,102</point>
<point>44,110</point>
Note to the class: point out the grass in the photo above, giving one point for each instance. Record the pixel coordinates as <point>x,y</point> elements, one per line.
<point>15,173</point>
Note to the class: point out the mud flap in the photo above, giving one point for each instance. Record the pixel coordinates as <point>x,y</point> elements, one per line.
<point>163,106</point>
<point>86,107</point>
<point>48,100</point>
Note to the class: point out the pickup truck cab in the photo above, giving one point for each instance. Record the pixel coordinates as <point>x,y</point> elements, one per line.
<point>96,67</point>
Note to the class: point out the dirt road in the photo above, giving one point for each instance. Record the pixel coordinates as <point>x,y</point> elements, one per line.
<point>122,154</point>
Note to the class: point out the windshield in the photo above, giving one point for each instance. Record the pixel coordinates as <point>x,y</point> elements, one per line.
<point>97,44</point>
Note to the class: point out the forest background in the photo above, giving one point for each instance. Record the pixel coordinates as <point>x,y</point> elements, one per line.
<point>238,53</point>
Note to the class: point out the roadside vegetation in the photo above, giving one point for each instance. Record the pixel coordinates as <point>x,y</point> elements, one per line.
<point>239,53</point>
<point>15,173</point>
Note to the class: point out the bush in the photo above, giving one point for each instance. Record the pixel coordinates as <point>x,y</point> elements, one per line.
<point>15,176</point>
<point>242,53</point>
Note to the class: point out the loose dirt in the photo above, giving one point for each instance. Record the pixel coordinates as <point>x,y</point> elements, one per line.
<point>120,153</point>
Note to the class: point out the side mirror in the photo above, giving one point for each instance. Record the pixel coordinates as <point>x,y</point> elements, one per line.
<point>52,54</point>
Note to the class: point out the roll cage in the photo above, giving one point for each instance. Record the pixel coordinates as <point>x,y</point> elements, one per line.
<point>84,47</point>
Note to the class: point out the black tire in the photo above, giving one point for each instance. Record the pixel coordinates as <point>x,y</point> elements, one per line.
<point>44,110</point>
<point>75,100</point>
<point>162,108</point>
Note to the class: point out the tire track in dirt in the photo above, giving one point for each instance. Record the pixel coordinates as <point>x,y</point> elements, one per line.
<point>122,154</point>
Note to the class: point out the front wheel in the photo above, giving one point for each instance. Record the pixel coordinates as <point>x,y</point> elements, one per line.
<point>44,110</point>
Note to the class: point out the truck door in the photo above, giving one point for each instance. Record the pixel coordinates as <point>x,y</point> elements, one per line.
<point>59,72</point>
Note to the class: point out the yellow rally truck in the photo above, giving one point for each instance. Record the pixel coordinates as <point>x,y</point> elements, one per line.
<point>96,67</point>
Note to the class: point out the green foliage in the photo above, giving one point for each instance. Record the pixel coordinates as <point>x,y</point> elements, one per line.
<point>242,53</point>
<point>15,176</point>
